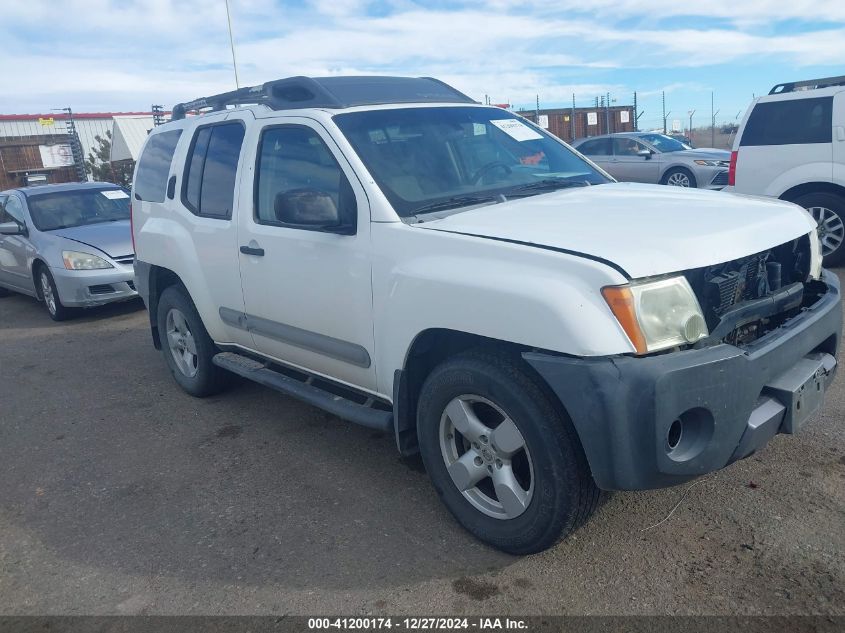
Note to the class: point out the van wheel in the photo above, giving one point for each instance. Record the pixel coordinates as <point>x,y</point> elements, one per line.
<point>679,177</point>
<point>505,461</point>
<point>50,296</point>
<point>187,347</point>
<point>828,210</point>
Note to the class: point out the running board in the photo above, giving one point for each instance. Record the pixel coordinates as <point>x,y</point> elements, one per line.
<point>330,402</point>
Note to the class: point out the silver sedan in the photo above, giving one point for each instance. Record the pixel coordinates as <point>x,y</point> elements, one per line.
<point>657,159</point>
<point>67,245</point>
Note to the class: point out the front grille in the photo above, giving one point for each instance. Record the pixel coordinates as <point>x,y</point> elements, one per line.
<point>100,289</point>
<point>720,179</point>
<point>125,259</point>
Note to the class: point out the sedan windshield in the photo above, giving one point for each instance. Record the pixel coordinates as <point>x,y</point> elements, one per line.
<point>66,209</point>
<point>427,159</point>
<point>665,143</point>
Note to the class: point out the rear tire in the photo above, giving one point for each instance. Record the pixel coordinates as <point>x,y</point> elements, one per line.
<point>551,490</point>
<point>679,177</point>
<point>50,296</point>
<point>186,345</point>
<point>828,210</point>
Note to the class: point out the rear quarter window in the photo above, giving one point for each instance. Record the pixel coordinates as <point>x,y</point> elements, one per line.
<point>792,122</point>
<point>154,166</point>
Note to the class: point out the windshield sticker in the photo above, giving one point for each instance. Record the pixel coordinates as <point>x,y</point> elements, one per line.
<point>517,130</point>
<point>114,194</point>
<point>479,129</point>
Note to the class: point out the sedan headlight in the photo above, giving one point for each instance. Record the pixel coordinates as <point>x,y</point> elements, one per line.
<point>815,255</point>
<point>712,163</point>
<point>75,260</point>
<point>657,314</point>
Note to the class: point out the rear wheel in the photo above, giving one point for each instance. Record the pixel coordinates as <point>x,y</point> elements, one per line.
<point>504,460</point>
<point>679,177</point>
<point>828,210</point>
<point>50,296</point>
<point>187,347</point>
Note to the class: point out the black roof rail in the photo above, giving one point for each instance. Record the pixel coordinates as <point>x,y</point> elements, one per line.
<point>808,84</point>
<point>330,92</point>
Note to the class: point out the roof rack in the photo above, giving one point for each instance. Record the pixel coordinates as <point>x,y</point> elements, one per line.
<point>808,84</point>
<point>329,92</point>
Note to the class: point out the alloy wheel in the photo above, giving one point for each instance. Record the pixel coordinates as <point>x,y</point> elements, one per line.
<point>678,179</point>
<point>831,228</point>
<point>181,342</point>
<point>47,293</point>
<point>486,456</point>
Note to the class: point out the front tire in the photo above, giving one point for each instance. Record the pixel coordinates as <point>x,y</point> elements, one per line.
<point>680,177</point>
<point>187,347</point>
<point>828,210</point>
<point>505,461</point>
<point>50,296</point>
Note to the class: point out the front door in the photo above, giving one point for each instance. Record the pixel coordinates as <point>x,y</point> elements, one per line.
<point>630,166</point>
<point>307,290</point>
<point>15,250</point>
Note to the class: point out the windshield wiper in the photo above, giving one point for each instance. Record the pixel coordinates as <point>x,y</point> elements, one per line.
<point>454,202</point>
<point>547,184</point>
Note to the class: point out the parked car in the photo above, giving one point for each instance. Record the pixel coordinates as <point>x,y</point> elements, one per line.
<point>658,159</point>
<point>67,245</point>
<point>409,260</point>
<point>791,145</point>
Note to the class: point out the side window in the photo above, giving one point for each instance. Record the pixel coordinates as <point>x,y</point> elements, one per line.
<point>210,170</point>
<point>293,159</point>
<point>598,147</point>
<point>154,166</point>
<point>626,146</point>
<point>12,211</point>
<point>792,122</point>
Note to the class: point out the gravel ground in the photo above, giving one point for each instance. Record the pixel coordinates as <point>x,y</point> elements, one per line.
<point>122,495</point>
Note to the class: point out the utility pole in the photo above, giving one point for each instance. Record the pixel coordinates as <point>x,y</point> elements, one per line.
<point>607,114</point>
<point>572,118</point>
<point>689,132</point>
<point>158,115</point>
<point>636,118</point>
<point>664,111</point>
<point>712,120</point>
<point>75,145</point>
<point>537,111</point>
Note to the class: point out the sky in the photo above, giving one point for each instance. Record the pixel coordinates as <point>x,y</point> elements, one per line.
<point>103,55</point>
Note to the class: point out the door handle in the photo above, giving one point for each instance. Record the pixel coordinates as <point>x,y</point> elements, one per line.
<point>250,250</point>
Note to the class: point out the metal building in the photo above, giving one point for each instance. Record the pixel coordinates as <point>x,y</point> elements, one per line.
<point>574,123</point>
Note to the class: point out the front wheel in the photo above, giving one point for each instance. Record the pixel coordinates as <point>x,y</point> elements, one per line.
<point>50,295</point>
<point>828,210</point>
<point>504,460</point>
<point>679,177</point>
<point>187,347</point>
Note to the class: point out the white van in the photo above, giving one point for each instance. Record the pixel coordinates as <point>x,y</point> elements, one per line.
<point>791,145</point>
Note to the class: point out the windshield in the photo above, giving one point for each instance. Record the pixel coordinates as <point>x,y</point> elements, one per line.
<point>665,143</point>
<point>422,157</point>
<point>66,209</point>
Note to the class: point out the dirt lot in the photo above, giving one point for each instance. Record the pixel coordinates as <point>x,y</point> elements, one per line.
<point>119,495</point>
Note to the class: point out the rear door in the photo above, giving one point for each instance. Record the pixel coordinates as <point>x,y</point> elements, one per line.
<point>786,133</point>
<point>15,250</point>
<point>839,137</point>
<point>630,166</point>
<point>599,151</point>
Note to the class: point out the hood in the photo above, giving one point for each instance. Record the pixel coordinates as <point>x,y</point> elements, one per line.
<point>703,153</point>
<point>643,229</point>
<point>112,238</point>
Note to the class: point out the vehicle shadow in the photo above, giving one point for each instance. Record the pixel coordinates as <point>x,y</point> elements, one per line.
<point>17,311</point>
<point>108,464</point>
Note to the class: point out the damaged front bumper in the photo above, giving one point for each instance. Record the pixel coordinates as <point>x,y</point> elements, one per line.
<point>662,420</point>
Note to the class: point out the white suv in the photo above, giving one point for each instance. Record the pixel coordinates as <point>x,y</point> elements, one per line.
<point>791,145</point>
<point>409,260</point>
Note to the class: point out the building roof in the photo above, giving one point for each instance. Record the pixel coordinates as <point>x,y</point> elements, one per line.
<point>61,116</point>
<point>128,135</point>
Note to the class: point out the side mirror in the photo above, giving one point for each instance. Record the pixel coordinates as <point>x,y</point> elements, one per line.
<point>12,228</point>
<point>309,209</point>
<point>645,153</point>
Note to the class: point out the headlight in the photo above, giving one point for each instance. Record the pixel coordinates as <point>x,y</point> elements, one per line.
<point>711,163</point>
<point>658,314</point>
<point>815,255</point>
<point>83,261</point>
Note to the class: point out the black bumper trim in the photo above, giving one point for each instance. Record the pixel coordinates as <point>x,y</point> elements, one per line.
<point>623,406</point>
